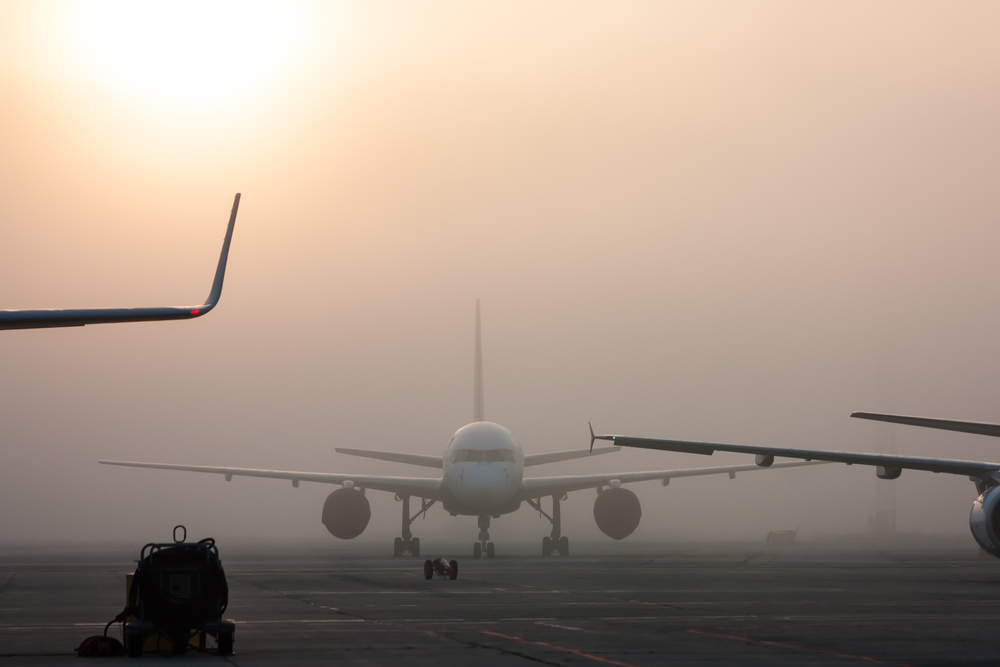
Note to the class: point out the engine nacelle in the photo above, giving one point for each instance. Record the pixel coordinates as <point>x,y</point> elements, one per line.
<point>984,520</point>
<point>617,512</point>
<point>346,513</point>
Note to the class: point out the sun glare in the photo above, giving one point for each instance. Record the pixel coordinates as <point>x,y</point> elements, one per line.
<point>189,53</point>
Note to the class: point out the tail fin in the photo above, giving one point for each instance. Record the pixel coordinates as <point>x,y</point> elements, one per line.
<point>477,397</point>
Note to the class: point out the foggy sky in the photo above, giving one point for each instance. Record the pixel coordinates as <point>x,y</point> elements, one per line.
<point>710,221</point>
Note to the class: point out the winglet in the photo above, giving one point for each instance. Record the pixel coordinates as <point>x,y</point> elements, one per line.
<point>78,317</point>
<point>220,271</point>
<point>592,437</point>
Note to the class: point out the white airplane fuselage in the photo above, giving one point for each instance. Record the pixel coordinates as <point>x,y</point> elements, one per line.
<point>483,468</point>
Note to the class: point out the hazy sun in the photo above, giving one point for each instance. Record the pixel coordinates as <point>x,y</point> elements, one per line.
<point>188,53</point>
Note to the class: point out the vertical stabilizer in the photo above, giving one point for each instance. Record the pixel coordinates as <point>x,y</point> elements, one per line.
<point>477,396</point>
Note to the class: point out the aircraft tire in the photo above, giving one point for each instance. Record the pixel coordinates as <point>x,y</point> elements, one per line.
<point>397,547</point>
<point>415,547</point>
<point>225,640</point>
<point>489,550</point>
<point>477,550</point>
<point>546,546</point>
<point>133,646</point>
<point>564,546</point>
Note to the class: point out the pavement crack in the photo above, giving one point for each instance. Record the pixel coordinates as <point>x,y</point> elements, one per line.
<point>752,556</point>
<point>9,581</point>
<point>505,651</point>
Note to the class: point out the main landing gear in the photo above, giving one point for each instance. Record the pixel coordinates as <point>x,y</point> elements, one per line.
<point>408,543</point>
<point>483,545</point>
<point>556,542</point>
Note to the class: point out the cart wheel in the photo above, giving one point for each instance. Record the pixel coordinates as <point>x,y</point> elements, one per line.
<point>454,569</point>
<point>225,643</point>
<point>428,569</point>
<point>133,646</point>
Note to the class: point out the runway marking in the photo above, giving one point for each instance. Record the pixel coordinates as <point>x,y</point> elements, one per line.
<point>410,590</point>
<point>502,583</point>
<point>404,592</point>
<point>304,620</point>
<point>794,647</point>
<point>562,627</point>
<point>573,651</point>
<point>311,604</point>
<point>545,621</point>
<point>390,583</point>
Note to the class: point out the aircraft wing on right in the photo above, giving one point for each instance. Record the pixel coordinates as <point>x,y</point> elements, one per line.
<point>888,466</point>
<point>536,487</point>
<point>979,428</point>
<point>984,519</point>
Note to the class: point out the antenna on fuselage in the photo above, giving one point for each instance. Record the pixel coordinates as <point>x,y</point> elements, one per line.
<point>477,391</point>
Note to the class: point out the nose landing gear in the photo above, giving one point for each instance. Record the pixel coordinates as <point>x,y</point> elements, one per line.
<point>408,543</point>
<point>483,545</point>
<point>556,541</point>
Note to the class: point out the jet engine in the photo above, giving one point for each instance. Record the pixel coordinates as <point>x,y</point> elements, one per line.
<point>617,512</point>
<point>984,520</point>
<point>346,513</point>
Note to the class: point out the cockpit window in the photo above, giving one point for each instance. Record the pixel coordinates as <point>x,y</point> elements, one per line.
<point>479,456</point>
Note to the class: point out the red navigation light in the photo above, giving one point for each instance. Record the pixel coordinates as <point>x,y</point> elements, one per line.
<point>195,311</point>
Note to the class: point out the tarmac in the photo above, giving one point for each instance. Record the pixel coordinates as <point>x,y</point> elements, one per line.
<point>677,604</point>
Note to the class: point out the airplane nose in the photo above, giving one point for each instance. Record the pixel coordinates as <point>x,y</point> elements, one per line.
<point>483,485</point>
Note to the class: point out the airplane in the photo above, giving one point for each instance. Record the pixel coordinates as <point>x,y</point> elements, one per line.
<point>44,319</point>
<point>483,476</point>
<point>984,519</point>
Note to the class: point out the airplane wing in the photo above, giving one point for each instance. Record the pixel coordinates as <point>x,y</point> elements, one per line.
<point>438,462</point>
<point>405,486</point>
<point>411,459</point>
<point>980,428</point>
<point>539,459</point>
<point>536,487</point>
<point>40,319</point>
<point>889,466</point>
